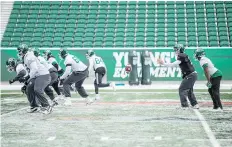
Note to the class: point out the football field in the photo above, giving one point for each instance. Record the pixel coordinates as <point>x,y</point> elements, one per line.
<point>129,118</point>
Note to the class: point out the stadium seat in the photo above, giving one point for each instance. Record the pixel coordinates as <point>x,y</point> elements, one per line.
<point>103,20</point>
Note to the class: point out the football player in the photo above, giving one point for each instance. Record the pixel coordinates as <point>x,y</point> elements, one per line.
<point>15,65</point>
<point>189,76</point>
<point>52,60</point>
<point>75,72</point>
<point>39,79</point>
<point>47,54</point>
<point>53,73</point>
<point>213,76</point>
<point>98,67</point>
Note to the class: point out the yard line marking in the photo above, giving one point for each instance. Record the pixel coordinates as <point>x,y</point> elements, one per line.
<point>207,129</point>
<point>12,112</point>
<point>51,138</point>
<point>104,138</point>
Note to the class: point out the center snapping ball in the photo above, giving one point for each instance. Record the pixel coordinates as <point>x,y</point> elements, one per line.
<point>128,68</point>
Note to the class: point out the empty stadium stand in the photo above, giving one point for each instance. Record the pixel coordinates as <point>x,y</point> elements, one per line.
<point>119,24</point>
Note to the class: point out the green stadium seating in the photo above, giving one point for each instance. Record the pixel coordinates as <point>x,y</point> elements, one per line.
<point>119,24</point>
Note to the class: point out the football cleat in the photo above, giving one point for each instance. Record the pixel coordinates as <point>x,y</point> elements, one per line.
<point>97,97</point>
<point>33,109</point>
<point>46,110</point>
<point>89,101</point>
<point>195,106</point>
<point>112,84</point>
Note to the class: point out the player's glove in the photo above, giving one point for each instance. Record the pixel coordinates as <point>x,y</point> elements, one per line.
<point>11,81</point>
<point>24,79</point>
<point>23,89</point>
<point>209,85</point>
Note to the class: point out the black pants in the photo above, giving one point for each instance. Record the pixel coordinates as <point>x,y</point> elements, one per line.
<point>35,91</point>
<point>99,74</point>
<point>186,90</point>
<point>31,95</point>
<point>78,78</point>
<point>214,92</point>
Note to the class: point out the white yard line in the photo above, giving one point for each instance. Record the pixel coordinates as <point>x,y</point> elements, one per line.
<point>51,138</point>
<point>207,129</point>
<point>12,112</point>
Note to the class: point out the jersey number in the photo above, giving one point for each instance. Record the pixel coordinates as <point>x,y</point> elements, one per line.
<point>98,61</point>
<point>76,59</point>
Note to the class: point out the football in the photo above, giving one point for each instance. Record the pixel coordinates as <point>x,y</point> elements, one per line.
<point>128,68</point>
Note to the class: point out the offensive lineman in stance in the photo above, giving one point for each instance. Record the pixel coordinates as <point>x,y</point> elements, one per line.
<point>15,65</point>
<point>97,65</point>
<point>52,60</point>
<point>39,78</point>
<point>75,72</point>
<point>53,73</point>
<point>213,76</point>
<point>189,76</point>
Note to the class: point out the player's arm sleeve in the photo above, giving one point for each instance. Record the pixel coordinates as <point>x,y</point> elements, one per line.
<point>33,69</point>
<point>90,68</point>
<point>67,71</point>
<point>173,64</point>
<point>206,71</point>
<point>21,74</point>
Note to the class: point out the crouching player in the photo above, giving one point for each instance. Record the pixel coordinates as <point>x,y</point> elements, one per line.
<point>15,65</point>
<point>53,73</point>
<point>213,76</point>
<point>22,75</point>
<point>75,72</point>
<point>97,66</point>
<point>38,81</point>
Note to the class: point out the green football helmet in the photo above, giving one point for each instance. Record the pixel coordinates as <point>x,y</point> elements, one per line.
<point>36,51</point>
<point>47,54</point>
<point>22,49</point>
<point>11,64</point>
<point>89,53</point>
<point>179,48</point>
<point>198,53</point>
<point>63,53</point>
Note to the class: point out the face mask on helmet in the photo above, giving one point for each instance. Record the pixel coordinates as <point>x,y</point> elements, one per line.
<point>10,64</point>
<point>179,48</point>
<point>199,53</point>
<point>90,53</point>
<point>63,53</point>
<point>22,49</point>
<point>36,52</point>
<point>47,54</point>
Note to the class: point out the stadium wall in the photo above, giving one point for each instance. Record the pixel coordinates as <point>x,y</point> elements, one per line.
<point>116,59</point>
